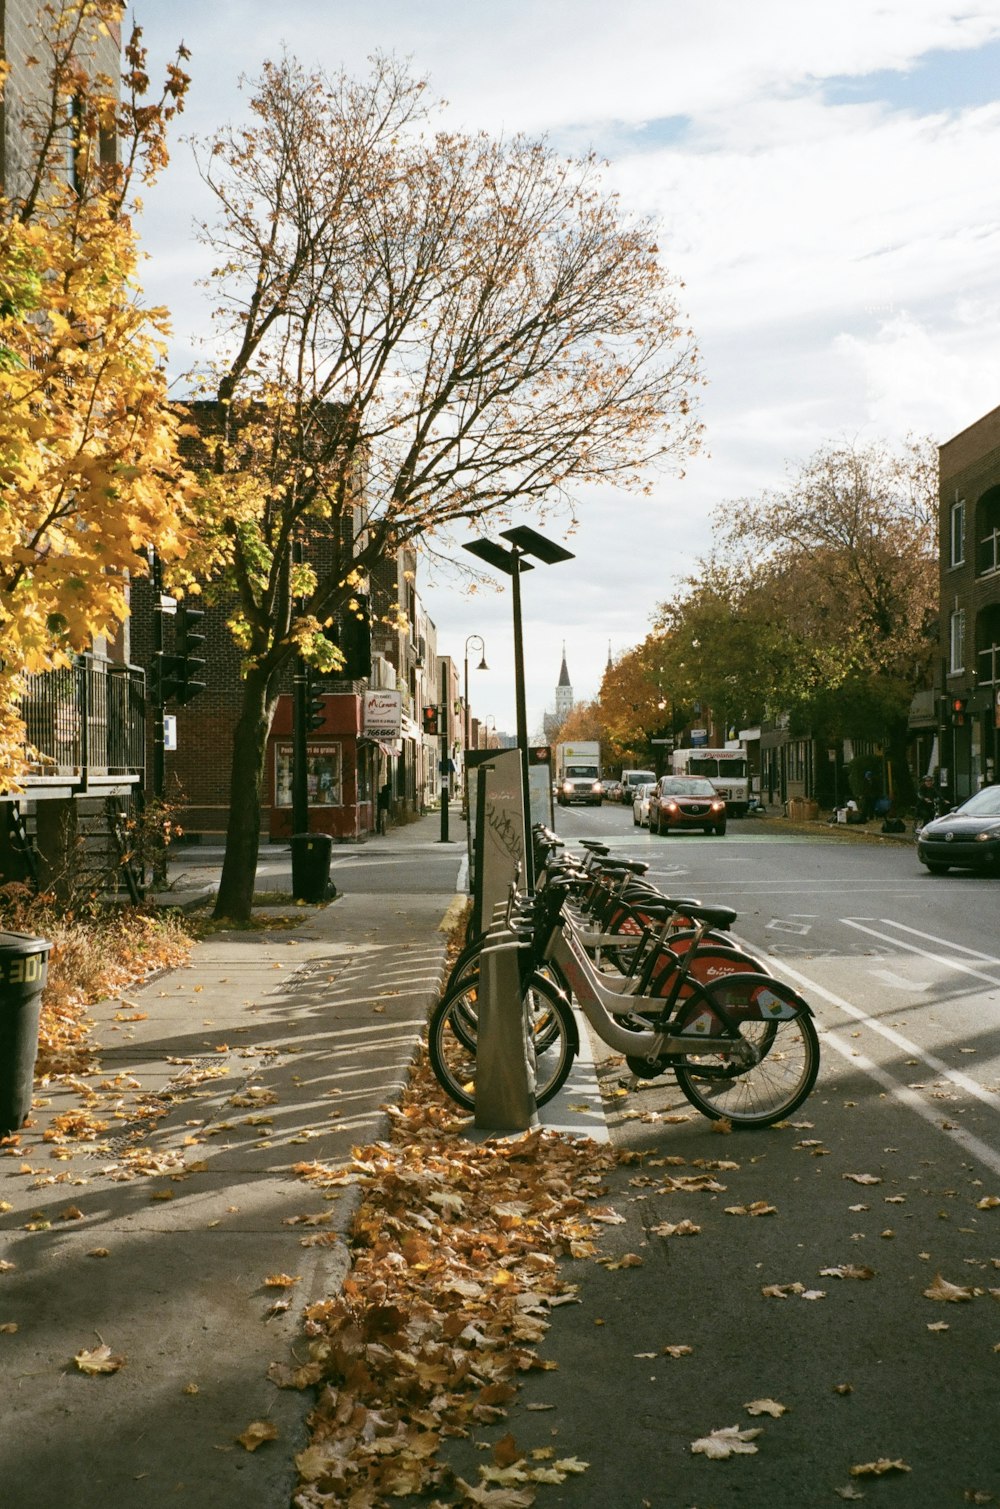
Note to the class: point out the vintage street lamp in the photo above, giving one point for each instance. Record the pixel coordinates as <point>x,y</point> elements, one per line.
<point>482,666</point>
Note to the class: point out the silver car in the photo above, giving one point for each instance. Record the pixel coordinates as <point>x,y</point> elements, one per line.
<point>640,804</point>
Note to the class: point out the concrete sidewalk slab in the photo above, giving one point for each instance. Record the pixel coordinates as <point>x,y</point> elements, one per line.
<point>270,1050</point>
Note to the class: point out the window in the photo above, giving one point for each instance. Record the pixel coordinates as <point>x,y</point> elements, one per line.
<point>957,532</point>
<point>956,640</point>
<point>988,533</point>
<point>323,767</point>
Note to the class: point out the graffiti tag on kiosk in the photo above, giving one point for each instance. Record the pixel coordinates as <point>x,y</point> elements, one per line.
<point>504,830</point>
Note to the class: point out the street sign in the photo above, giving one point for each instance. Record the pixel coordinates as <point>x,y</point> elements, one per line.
<point>169,731</point>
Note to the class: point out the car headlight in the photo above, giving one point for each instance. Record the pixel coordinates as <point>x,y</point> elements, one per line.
<point>671,806</point>
<point>991,836</point>
<point>717,806</point>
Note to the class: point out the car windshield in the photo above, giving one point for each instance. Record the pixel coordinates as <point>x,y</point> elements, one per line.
<point>985,803</point>
<point>679,785</point>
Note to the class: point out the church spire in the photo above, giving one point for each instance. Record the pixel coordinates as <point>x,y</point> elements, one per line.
<point>564,669</point>
<point>564,690</point>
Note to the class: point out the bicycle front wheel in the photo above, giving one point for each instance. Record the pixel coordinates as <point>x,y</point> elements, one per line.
<point>451,1039</point>
<point>767,1075</point>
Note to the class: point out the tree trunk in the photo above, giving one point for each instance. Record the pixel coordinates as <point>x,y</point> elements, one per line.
<point>239,869</point>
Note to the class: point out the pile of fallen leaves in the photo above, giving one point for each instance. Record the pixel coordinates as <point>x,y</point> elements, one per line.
<point>454,1277</point>
<point>94,954</point>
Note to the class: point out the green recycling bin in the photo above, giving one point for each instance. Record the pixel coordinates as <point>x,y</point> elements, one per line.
<point>24,963</point>
<point>311,866</point>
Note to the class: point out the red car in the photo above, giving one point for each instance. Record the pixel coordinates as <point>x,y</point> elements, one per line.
<point>686,801</point>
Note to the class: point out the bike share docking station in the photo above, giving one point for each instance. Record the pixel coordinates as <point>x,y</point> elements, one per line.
<point>505,1059</point>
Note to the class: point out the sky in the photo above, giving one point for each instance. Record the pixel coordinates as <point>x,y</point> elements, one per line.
<point>824,178</point>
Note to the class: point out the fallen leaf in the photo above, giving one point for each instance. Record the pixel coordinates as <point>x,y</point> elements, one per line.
<point>256,1433</point>
<point>100,1360</point>
<point>730,1441</point>
<point>680,1229</point>
<point>852,1491</point>
<point>847,1270</point>
<point>943,1290</point>
<point>879,1468</point>
<point>938,1325</point>
<point>281,1281</point>
<point>766,1407</point>
<point>988,1202</point>
<point>9,1328</point>
<point>678,1351</point>
<point>863,1178</point>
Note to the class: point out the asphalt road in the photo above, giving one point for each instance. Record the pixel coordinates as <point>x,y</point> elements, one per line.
<point>883,1180</point>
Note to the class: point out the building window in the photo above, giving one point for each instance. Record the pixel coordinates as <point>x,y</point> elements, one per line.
<point>957,642</point>
<point>988,533</point>
<point>958,533</point>
<point>323,774</point>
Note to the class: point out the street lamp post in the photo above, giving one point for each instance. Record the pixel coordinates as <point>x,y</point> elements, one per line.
<point>523,541</point>
<point>487,722</point>
<point>482,666</point>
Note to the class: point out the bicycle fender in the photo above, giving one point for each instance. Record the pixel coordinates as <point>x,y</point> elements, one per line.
<point>770,1000</point>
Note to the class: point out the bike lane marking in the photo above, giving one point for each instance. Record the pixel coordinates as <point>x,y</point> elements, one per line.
<point>925,953</point>
<point>903,1092</point>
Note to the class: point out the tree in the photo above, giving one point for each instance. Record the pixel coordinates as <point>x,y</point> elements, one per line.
<point>819,599</point>
<point>420,328</point>
<point>88,458</point>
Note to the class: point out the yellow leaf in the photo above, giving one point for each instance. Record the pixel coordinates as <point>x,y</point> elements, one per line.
<point>100,1360</point>
<point>256,1433</point>
<point>941,1289</point>
<point>879,1468</point>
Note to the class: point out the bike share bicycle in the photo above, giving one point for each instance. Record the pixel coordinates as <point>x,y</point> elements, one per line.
<point>741,1044</point>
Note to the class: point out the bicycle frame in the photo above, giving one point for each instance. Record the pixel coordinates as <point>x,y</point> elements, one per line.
<point>598,1004</point>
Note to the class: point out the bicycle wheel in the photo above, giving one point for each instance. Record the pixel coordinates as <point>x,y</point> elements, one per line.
<point>451,1039</point>
<point>773,1068</point>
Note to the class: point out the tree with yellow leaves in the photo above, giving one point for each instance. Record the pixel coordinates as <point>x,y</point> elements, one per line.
<point>88,462</point>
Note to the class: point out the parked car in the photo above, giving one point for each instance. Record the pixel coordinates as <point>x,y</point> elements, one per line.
<point>640,804</point>
<point>686,801</point>
<point>613,792</point>
<point>967,838</point>
<point>631,780</point>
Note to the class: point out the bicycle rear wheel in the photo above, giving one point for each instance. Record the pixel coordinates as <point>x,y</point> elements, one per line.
<point>451,1039</point>
<point>770,1072</point>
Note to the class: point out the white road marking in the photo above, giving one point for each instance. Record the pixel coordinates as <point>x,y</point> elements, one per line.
<point>889,977</point>
<point>911,1049</point>
<point>924,953</point>
<point>919,932</point>
<point>973,1145</point>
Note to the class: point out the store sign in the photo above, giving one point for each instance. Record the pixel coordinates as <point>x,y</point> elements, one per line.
<point>383,714</point>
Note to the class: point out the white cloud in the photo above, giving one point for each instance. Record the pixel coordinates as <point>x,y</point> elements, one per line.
<point>839,259</point>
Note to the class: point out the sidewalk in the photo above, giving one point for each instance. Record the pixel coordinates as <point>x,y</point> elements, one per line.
<point>152,1221</point>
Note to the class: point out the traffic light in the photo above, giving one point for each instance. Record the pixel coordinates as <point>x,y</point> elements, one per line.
<point>190,654</point>
<point>168,677</point>
<point>430,719</point>
<point>315,708</point>
<point>356,640</point>
<point>958,707</point>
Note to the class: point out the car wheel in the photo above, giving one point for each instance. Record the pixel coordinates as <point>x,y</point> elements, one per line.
<point>720,828</point>
<point>937,869</point>
<point>662,828</point>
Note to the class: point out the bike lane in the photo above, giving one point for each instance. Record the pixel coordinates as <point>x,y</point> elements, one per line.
<point>831,1283</point>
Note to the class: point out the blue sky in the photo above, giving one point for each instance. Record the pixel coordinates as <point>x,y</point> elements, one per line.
<point>825,177</point>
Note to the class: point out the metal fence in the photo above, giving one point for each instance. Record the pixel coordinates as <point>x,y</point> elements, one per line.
<point>86,720</point>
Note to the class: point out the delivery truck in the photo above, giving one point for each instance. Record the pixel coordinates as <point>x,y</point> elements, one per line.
<point>578,773</point>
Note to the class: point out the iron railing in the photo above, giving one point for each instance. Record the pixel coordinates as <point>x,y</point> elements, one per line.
<point>88,719</point>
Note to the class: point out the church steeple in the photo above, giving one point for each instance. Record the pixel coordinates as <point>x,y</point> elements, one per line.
<point>564,690</point>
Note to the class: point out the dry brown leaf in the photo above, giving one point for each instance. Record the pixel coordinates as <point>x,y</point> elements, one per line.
<point>766,1407</point>
<point>847,1270</point>
<point>941,1289</point>
<point>100,1360</point>
<point>988,1202</point>
<point>256,1433</point>
<point>863,1178</point>
<point>680,1350</point>
<point>679,1229</point>
<point>729,1441</point>
<point>8,1328</point>
<point>281,1281</point>
<point>879,1468</point>
<point>496,1498</point>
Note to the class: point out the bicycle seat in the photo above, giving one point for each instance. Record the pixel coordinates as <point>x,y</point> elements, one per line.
<point>715,916</point>
<point>594,845</point>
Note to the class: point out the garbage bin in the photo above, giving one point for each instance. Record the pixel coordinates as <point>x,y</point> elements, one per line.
<point>311,866</point>
<point>24,963</point>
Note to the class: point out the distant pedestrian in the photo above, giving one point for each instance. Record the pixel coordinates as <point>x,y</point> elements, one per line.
<point>384,806</point>
<point>926,802</point>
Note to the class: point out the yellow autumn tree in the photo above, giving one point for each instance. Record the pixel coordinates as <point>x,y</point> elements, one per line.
<point>88,460</point>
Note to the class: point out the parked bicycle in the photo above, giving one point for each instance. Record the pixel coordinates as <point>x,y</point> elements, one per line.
<point>741,1044</point>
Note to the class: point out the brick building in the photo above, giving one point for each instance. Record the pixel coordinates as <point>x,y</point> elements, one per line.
<point>969,709</point>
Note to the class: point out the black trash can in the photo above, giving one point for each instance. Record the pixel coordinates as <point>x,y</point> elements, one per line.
<point>311,866</point>
<point>24,963</point>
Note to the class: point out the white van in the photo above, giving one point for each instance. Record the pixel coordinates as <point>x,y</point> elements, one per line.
<point>632,780</point>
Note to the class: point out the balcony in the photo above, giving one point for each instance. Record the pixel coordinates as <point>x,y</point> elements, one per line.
<point>85,729</point>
